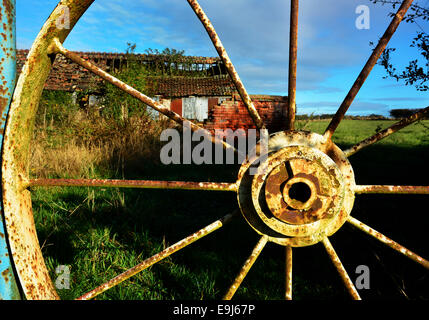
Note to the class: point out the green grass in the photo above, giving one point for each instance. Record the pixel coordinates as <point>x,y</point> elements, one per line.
<point>100,233</point>
<point>350,132</point>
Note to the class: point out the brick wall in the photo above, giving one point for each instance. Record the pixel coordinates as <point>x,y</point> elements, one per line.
<point>232,114</point>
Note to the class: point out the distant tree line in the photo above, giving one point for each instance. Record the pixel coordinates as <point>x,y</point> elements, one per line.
<point>326,116</point>
<point>404,113</point>
<point>394,113</point>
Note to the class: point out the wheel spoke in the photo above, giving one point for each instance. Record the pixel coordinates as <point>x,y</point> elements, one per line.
<point>389,242</point>
<point>246,267</point>
<point>293,59</point>
<point>387,132</point>
<point>361,189</point>
<point>158,257</point>
<point>288,273</point>
<point>144,184</point>
<point>341,270</point>
<point>57,47</point>
<point>227,62</point>
<point>367,68</point>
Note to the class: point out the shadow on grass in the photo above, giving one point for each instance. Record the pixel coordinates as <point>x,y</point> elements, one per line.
<point>144,221</point>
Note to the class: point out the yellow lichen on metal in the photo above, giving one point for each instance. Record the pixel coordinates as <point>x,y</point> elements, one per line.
<point>303,191</point>
<point>26,252</point>
<point>341,270</point>
<point>246,268</point>
<point>296,157</point>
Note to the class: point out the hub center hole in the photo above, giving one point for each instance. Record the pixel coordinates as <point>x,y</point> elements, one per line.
<point>300,191</point>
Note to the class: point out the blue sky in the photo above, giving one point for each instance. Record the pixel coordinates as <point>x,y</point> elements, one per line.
<point>255,33</point>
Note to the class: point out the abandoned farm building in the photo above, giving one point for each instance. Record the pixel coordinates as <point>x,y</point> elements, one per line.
<point>197,88</point>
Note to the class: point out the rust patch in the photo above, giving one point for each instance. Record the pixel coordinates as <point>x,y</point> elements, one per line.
<point>389,242</point>
<point>145,184</point>
<point>291,218</point>
<point>392,189</point>
<point>341,270</point>
<point>227,62</point>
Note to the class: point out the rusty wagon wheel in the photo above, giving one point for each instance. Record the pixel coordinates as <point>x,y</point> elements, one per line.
<point>295,160</point>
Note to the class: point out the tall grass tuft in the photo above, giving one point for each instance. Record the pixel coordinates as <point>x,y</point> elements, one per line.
<point>75,143</point>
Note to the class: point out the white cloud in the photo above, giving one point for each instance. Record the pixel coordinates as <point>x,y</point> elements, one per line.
<point>330,107</point>
<point>254,32</point>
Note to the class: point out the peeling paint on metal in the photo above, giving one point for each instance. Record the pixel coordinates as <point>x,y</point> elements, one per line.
<point>227,62</point>
<point>389,242</point>
<point>144,184</point>
<point>383,189</point>
<point>8,285</point>
<point>341,270</point>
<point>246,268</point>
<point>30,267</point>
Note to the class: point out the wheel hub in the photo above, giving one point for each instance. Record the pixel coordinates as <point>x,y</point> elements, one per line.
<point>300,194</point>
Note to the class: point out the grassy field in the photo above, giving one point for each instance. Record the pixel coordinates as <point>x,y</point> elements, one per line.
<point>100,232</point>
